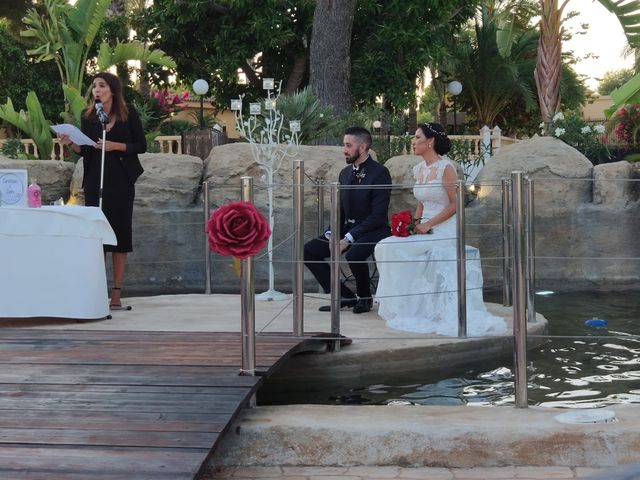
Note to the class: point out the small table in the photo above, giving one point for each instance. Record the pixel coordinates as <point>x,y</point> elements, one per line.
<point>52,262</point>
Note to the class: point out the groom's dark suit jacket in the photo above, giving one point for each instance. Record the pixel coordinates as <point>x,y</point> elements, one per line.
<point>363,210</point>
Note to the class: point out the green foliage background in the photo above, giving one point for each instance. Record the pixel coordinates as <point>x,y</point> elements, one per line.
<point>19,74</point>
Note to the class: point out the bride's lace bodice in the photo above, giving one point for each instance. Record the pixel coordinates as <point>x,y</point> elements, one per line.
<point>428,188</point>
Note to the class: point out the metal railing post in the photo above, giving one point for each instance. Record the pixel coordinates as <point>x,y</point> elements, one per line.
<point>506,245</point>
<point>530,245</point>
<point>207,251</point>
<point>247,298</point>
<point>462,260</point>
<point>335,263</point>
<point>519,293</point>
<point>320,187</point>
<point>298,248</point>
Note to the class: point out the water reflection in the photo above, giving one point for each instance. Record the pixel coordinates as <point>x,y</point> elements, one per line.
<point>579,367</point>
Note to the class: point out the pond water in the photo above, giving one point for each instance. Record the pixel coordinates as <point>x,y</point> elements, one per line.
<point>580,366</point>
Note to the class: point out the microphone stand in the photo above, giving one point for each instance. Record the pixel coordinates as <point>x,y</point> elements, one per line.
<point>104,120</point>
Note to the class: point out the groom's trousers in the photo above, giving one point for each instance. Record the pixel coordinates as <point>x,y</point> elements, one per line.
<point>316,252</point>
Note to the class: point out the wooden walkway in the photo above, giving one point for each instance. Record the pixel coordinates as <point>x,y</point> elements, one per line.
<point>120,405</point>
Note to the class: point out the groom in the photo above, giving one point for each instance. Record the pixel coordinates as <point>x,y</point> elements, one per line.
<point>363,220</point>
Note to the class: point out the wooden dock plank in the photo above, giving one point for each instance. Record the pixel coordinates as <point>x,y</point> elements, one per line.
<point>134,405</point>
<point>109,421</point>
<point>93,462</point>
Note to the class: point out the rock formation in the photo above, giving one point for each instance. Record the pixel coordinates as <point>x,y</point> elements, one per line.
<point>580,211</point>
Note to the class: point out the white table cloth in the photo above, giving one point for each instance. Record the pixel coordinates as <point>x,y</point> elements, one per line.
<point>52,262</point>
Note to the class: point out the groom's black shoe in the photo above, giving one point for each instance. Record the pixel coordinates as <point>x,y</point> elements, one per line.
<point>364,305</point>
<point>347,303</point>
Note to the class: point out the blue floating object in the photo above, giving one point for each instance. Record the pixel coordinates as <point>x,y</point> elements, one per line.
<point>596,322</point>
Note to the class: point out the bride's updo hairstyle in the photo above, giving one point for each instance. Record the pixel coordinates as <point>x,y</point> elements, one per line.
<point>441,144</point>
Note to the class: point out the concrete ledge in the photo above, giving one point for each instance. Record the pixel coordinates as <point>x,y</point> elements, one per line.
<point>412,436</point>
<point>390,353</point>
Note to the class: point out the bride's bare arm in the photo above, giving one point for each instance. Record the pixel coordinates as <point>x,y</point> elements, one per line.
<point>418,215</point>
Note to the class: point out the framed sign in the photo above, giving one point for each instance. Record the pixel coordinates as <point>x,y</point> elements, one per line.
<point>13,188</point>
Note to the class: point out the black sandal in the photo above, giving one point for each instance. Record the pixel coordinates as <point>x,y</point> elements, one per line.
<point>118,306</point>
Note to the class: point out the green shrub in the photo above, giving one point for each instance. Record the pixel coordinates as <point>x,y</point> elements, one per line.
<point>634,157</point>
<point>19,75</point>
<point>175,127</point>
<point>463,152</point>
<point>574,131</point>
<point>152,145</point>
<point>12,148</point>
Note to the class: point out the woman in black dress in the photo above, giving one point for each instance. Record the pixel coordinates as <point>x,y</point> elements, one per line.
<point>124,141</point>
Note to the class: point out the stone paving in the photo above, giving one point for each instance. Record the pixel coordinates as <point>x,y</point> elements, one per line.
<point>376,473</point>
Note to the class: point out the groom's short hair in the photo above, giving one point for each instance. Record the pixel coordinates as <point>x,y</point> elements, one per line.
<point>361,133</point>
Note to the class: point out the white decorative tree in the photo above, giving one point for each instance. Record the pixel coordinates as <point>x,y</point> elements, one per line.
<point>271,144</point>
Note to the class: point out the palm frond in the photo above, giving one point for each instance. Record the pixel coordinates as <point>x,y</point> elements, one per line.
<point>134,50</point>
<point>76,102</point>
<point>86,17</point>
<point>628,13</point>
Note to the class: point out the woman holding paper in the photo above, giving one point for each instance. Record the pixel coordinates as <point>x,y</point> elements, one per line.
<point>124,141</point>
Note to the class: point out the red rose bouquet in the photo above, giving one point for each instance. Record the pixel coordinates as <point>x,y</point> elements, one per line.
<point>238,229</point>
<point>403,224</point>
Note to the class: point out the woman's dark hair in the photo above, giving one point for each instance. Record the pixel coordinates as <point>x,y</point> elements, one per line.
<point>441,144</point>
<point>118,107</point>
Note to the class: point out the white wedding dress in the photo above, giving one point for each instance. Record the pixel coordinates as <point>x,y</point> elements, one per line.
<point>417,291</point>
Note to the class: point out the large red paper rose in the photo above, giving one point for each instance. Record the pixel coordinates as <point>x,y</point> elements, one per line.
<point>237,229</point>
<point>402,223</point>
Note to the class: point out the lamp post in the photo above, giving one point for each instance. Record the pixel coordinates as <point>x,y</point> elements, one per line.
<point>200,87</point>
<point>454,88</point>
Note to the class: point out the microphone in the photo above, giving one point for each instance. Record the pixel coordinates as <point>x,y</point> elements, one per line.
<point>101,114</point>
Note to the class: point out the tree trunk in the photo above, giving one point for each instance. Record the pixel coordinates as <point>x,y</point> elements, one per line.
<point>548,70</point>
<point>297,74</point>
<point>330,53</point>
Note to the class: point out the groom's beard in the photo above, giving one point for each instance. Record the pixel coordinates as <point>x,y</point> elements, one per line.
<point>351,158</point>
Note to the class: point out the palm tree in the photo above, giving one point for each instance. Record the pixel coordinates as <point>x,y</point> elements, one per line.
<point>548,69</point>
<point>492,80</point>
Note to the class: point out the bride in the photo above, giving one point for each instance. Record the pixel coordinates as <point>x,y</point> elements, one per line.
<point>417,291</point>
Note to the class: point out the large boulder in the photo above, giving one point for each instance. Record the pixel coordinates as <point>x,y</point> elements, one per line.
<point>53,176</point>
<point>576,208</point>
<point>611,185</point>
<point>169,181</point>
<point>566,172</point>
<point>226,164</point>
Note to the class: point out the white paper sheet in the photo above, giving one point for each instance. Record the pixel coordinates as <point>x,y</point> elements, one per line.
<point>74,134</point>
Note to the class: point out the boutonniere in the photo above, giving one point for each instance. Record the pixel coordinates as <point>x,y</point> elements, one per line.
<point>360,174</point>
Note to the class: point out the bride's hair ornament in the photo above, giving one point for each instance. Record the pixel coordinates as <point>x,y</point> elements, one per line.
<point>441,143</point>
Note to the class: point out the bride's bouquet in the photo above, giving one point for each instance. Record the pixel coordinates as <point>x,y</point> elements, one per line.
<point>403,224</point>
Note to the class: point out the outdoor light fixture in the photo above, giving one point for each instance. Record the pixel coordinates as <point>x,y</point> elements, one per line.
<point>201,87</point>
<point>454,88</point>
